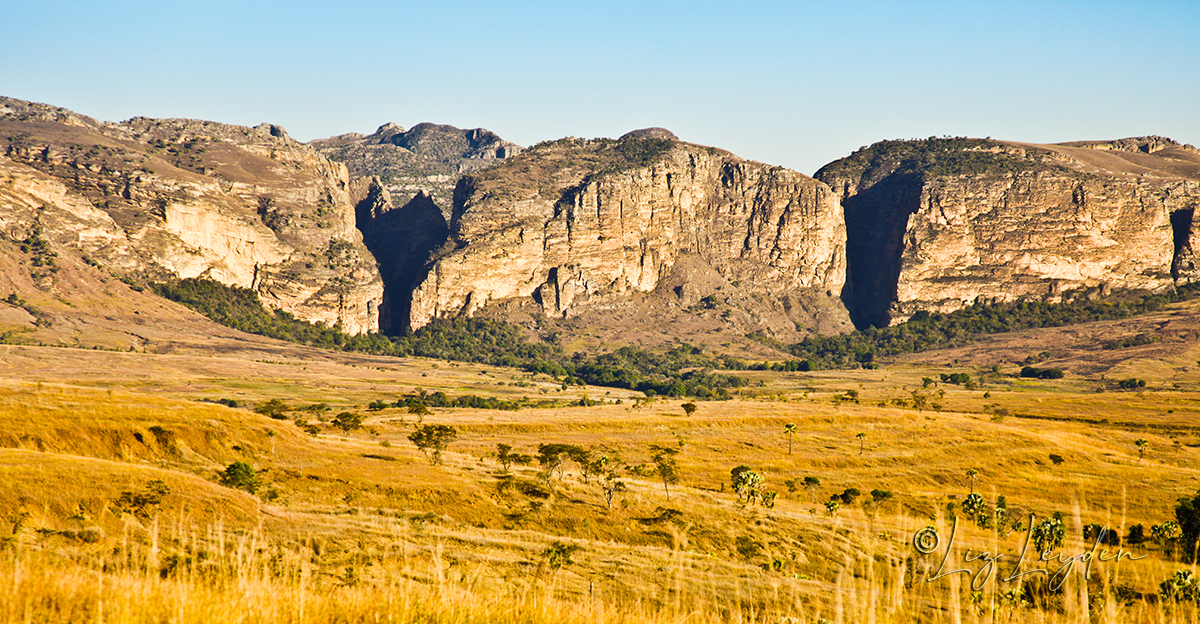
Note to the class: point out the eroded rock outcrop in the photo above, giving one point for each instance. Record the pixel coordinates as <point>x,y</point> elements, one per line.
<point>575,224</point>
<point>941,223</point>
<point>244,206</point>
<point>428,158</point>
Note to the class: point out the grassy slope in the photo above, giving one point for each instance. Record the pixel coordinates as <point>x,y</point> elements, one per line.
<point>363,528</point>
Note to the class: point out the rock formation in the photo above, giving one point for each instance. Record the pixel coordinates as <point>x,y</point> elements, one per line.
<point>429,158</point>
<point>576,224</point>
<point>938,224</point>
<point>150,198</point>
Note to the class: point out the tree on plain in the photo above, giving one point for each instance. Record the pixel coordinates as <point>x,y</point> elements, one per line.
<point>790,430</point>
<point>432,440</point>
<point>664,461</point>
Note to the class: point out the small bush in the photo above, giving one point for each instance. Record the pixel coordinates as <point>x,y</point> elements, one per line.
<point>241,476</point>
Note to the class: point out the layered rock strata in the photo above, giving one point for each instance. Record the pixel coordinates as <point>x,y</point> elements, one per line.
<point>574,223</point>
<point>939,224</point>
<point>150,198</point>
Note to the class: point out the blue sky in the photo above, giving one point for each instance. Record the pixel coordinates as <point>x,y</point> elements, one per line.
<point>790,83</point>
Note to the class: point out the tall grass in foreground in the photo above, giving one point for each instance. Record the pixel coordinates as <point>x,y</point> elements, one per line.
<point>230,578</point>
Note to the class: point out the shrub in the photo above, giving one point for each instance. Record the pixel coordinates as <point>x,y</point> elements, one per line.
<point>1181,587</point>
<point>1099,534</point>
<point>241,476</point>
<point>273,409</point>
<point>559,554</point>
<point>141,504</point>
<point>1041,373</point>
<point>747,547</point>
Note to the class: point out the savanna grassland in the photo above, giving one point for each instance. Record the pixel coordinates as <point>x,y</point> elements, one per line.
<point>118,502</point>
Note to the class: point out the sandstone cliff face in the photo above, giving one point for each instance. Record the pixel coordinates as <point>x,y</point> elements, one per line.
<point>428,158</point>
<point>574,224</point>
<point>939,224</point>
<point>244,206</point>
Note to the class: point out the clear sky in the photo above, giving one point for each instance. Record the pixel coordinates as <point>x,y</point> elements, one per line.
<point>797,84</point>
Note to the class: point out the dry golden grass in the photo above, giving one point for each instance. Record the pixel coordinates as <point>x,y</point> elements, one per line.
<point>360,527</point>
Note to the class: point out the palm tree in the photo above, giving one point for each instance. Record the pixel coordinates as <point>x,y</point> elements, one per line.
<point>862,437</point>
<point>972,475</point>
<point>790,430</point>
<point>1142,445</point>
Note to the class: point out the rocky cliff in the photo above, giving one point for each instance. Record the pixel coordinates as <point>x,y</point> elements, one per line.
<point>573,226</point>
<point>940,223</point>
<point>150,198</point>
<point>428,158</point>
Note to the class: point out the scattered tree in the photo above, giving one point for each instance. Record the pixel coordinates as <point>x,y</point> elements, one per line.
<point>664,461</point>
<point>504,455</point>
<point>1187,512</point>
<point>609,480</point>
<point>1137,535</point>
<point>553,458</point>
<point>432,440</point>
<point>862,439</point>
<point>790,430</point>
<point>972,475</point>
<point>1048,535</point>
<point>348,421</point>
<point>689,408</point>
<point>1183,586</point>
<point>1142,444</point>
<point>420,410</point>
<point>1166,533</point>
<point>746,483</point>
<point>832,507</point>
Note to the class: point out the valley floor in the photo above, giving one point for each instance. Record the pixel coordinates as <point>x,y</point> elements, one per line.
<point>358,525</point>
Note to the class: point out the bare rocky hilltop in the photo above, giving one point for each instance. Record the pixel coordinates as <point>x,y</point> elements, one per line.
<point>427,158</point>
<point>940,223</point>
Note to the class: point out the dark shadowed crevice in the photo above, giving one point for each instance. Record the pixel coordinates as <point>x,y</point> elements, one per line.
<point>402,240</point>
<point>1183,261</point>
<point>876,220</point>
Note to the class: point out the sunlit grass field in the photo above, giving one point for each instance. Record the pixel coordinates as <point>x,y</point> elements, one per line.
<point>358,526</point>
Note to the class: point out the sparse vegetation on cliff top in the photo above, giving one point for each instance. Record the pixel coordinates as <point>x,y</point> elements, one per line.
<point>940,156</point>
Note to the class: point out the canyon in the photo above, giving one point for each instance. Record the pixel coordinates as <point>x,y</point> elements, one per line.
<point>644,239</point>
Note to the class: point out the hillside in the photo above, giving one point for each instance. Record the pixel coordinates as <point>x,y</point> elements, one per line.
<point>146,199</point>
